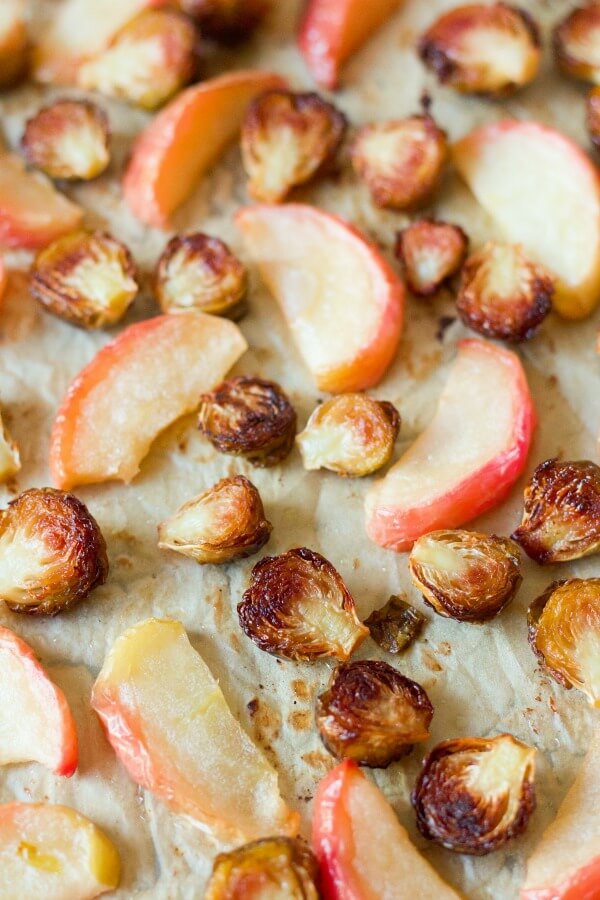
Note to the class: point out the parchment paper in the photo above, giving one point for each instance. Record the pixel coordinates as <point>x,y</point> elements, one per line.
<point>481,680</point>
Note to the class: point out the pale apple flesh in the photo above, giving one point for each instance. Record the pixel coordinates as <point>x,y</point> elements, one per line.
<point>53,852</point>
<point>565,865</point>
<point>150,375</point>
<point>332,30</point>
<point>35,720</point>
<point>185,139</point>
<point>363,851</point>
<point>169,723</point>
<point>469,456</point>
<point>341,299</point>
<point>544,193</point>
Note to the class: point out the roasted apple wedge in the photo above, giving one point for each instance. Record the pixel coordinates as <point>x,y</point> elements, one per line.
<point>363,851</point>
<point>340,297</point>
<point>468,457</point>
<point>511,167</point>
<point>35,721</point>
<point>169,724</point>
<point>185,139</point>
<point>54,852</point>
<point>133,389</point>
<point>32,212</point>
<point>332,30</point>
<point>565,865</point>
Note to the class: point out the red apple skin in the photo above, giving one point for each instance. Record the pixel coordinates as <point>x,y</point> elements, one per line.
<point>332,834</point>
<point>397,529</point>
<point>50,696</point>
<point>204,118</point>
<point>584,884</point>
<point>332,30</point>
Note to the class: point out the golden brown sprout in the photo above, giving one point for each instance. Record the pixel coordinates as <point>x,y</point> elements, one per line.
<point>561,516</point>
<point>351,434</point>
<point>147,62</point>
<point>592,117</point>
<point>68,139</point>
<point>249,417</point>
<point>226,20</point>
<point>10,459</point>
<point>298,607</point>
<point>372,714</point>
<point>564,633</point>
<point>224,523</point>
<point>85,277</point>
<point>275,868</point>
<point>396,625</point>
<point>576,41</point>
<point>483,49</point>
<point>287,139</point>
<point>503,294</point>
<point>13,42</point>
<point>402,161</point>
<point>431,252</point>
<point>52,553</point>
<point>465,575</point>
<point>475,794</point>
<point>200,272</point>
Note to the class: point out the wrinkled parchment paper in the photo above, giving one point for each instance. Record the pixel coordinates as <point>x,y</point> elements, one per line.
<point>481,680</point>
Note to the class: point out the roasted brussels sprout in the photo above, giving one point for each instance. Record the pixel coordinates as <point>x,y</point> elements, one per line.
<point>483,49</point>
<point>564,633</point>
<point>465,575</point>
<point>372,714</point>
<point>148,60</point>
<point>396,625</point>
<point>226,20</point>
<point>249,417</point>
<point>351,434</point>
<point>430,252</point>
<point>592,116</point>
<point>576,41</point>
<point>68,139</point>
<point>275,868</point>
<point>503,294</point>
<point>287,139</point>
<point>561,516</point>
<point>10,458</point>
<point>200,272</point>
<point>85,277</point>
<point>52,553</point>
<point>224,523</point>
<point>13,43</point>
<point>475,794</point>
<point>298,607</point>
<point>401,162</point>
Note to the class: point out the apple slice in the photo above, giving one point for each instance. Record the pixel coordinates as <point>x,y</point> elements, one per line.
<point>565,865</point>
<point>32,212</point>
<point>150,375</point>
<point>332,30</point>
<point>363,851</point>
<point>55,853</point>
<point>341,299</point>
<point>468,457</point>
<point>35,720</point>
<point>544,193</point>
<point>169,724</point>
<point>185,139</point>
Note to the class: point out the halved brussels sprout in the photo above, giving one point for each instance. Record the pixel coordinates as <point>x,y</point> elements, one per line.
<point>465,575</point>
<point>68,139</point>
<point>576,42</point>
<point>561,515</point>
<point>276,868</point>
<point>226,20</point>
<point>52,553</point>
<point>224,523</point>
<point>249,417</point>
<point>200,272</point>
<point>475,794</point>
<point>14,40</point>
<point>430,252</point>
<point>564,633</point>
<point>87,278</point>
<point>287,139</point>
<point>10,458</point>
<point>372,714</point>
<point>351,434</point>
<point>298,607</point>
<point>396,625</point>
